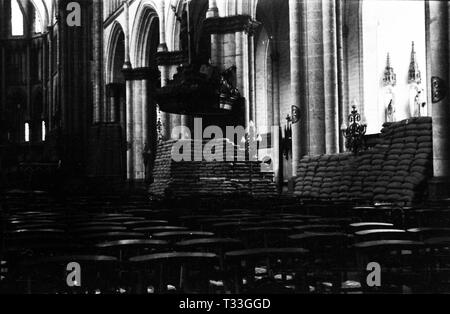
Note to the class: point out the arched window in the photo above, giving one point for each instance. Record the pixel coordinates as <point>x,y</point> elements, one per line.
<point>17,20</point>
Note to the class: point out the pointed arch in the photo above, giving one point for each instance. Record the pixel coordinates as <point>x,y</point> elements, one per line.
<point>115,52</point>
<point>145,35</point>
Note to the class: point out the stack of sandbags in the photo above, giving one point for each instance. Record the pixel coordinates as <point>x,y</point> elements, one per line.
<point>395,171</point>
<point>186,178</point>
<point>407,165</point>
<point>162,168</point>
<point>307,175</point>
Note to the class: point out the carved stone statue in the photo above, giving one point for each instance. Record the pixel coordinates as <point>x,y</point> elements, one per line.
<point>419,105</point>
<point>390,112</point>
<point>390,106</point>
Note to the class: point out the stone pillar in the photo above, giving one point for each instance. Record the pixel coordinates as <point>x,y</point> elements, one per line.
<point>163,116</point>
<point>438,50</point>
<point>213,11</point>
<point>216,46</point>
<point>145,111</point>
<point>277,159</point>
<point>129,129</point>
<point>97,33</point>
<point>314,76</point>
<point>130,107</point>
<point>246,78</point>
<point>239,61</point>
<point>126,30</point>
<point>229,51</point>
<point>138,147</point>
<point>342,73</point>
<point>330,72</point>
<point>240,77</point>
<point>296,89</point>
<point>252,75</point>
<point>184,121</point>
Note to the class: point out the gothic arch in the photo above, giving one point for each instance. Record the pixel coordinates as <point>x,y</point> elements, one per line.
<point>113,67</point>
<point>145,38</point>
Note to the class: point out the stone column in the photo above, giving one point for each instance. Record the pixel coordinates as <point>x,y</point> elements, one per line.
<point>129,127</point>
<point>97,33</point>
<point>213,11</point>
<point>296,88</point>
<point>138,147</point>
<point>126,30</point>
<point>438,50</point>
<point>277,160</point>
<point>129,98</point>
<point>164,117</point>
<point>342,73</point>
<point>252,75</point>
<point>330,77</point>
<point>184,121</point>
<point>240,77</point>
<point>145,111</point>
<point>149,132</point>
<point>314,75</point>
<point>246,78</point>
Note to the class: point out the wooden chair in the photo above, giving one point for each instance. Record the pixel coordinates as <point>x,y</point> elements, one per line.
<point>175,236</point>
<point>187,271</point>
<point>49,274</point>
<point>328,259</point>
<point>244,263</point>
<point>381,234</point>
<point>401,263</point>
<point>358,226</point>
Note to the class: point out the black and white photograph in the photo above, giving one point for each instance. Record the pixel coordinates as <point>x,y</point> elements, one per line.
<point>230,149</point>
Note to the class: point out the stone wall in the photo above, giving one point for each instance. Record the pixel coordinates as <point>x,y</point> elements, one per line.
<point>396,170</point>
<point>206,179</point>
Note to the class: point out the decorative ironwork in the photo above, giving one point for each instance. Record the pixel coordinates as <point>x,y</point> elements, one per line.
<point>390,78</point>
<point>355,132</point>
<point>414,75</point>
<point>439,89</point>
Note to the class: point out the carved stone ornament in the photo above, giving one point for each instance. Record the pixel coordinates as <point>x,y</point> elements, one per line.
<point>295,114</point>
<point>438,89</point>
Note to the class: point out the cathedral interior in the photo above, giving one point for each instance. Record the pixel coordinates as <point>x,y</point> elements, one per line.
<point>224,146</point>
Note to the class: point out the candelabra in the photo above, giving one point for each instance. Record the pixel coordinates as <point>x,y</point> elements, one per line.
<point>354,133</point>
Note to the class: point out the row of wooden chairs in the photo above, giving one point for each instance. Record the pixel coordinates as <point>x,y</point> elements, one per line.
<point>132,246</point>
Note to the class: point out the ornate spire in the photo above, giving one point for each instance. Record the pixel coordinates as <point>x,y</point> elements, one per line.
<point>390,78</point>
<point>414,75</point>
